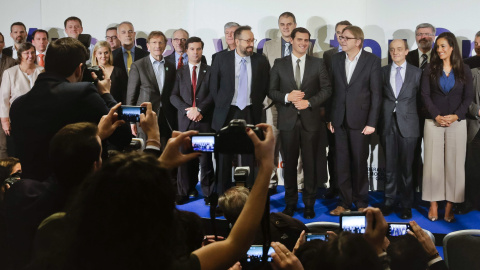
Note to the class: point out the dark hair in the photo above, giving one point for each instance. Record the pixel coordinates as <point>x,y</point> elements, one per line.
<point>239,31</point>
<point>232,202</point>
<point>287,14</point>
<point>73,151</point>
<point>17,23</point>
<point>64,55</point>
<point>156,34</point>
<point>123,217</point>
<point>72,18</point>
<point>406,252</point>
<point>312,254</point>
<point>9,163</point>
<point>299,30</point>
<point>25,46</point>
<point>436,64</point>
<point>192,40</point>
<point>111,28</point>
<point>39,31</point>
<point>2,36</point>
<point>190,233</point>
<point>345,22</point>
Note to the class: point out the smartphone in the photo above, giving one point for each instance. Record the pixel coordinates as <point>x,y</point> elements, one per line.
<point>255,252</point>
<point>315,236</point>
<point>354,222</point>
<point>130,113</point>
<point>398,228</point>
<point>203,142</point>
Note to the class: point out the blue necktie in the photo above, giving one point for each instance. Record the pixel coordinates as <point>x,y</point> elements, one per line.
<point>242,95</point>
<point>287,51</point>
<point>398,82</point>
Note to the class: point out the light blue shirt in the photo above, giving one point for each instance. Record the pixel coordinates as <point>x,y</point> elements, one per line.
<point>393,73</point>
<point>159,69</point>
<point>248,63</point>
<point>184,60</point>
<point>125,56</point>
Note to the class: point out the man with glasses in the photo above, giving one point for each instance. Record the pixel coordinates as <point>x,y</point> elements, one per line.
<point>238,84</point>
<point>229,29</point>
<point>357,96</point>
<point>424,36</point>
<point>179,57</point>
<point>124,56</point>
<point>112,38</point>
<point>298,96</point>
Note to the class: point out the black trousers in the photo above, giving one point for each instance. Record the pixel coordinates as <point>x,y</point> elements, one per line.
<point>472,172</point>
<point>225,162</point>
<point>399,157</point>
<point>292,141</point>
<point>351,159</point>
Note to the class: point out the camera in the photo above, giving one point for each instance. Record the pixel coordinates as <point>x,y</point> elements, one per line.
<point>354,222</point>
<point>87,75</point>
<point>130,113</point>
<point>12,179</point>
<point>317,236</point>
<point>233,139</point>
<point>398,228</point>
<point>203,142</point>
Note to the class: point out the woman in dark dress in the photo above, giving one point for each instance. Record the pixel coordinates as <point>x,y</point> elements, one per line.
<point>102,56</point>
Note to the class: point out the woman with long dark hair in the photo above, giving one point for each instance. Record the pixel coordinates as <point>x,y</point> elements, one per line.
<point>447,92</point>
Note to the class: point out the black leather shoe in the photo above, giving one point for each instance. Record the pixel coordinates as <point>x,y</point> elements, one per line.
<point>330,194</point>
<point>406,213</point>
<point>387,210</point>
<point>193,193</point>
<point>207,200</point>
<point>289,210</point>
<point>309,213</point>
<point>179,200</point>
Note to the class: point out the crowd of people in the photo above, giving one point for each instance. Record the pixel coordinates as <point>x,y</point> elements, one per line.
<point>66,208</point>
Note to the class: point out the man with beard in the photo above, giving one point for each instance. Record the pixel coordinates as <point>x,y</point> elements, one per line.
<point>238,84</point>
<point>18,32</point>
<point>474,61</point>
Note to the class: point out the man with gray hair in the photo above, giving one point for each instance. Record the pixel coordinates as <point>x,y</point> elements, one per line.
<point>229,30</point>
<point>424,36</point>
<point>128,53</point>
<point>179,57</point>
<point>474,61</point>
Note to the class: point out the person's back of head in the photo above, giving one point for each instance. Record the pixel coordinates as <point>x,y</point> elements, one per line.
<point>232,202</point>
<point>190,233</point>
<point>64,55</point>
<point>312,254</point>
<point>406,252</point>
<point>75,151</point>
<point>123,217</point>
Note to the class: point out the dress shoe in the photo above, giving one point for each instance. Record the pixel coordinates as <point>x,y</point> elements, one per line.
<point>309,213</point>
<point>179,200</point>
<point>449,219</point>
<point>206,200</point>
<point>337,211</point>
<point>432,215</point>
<point>193,193</point>
<point>330,194</point>
<point>289,210</point>
<point>387,210</point>
<point>406,213</point>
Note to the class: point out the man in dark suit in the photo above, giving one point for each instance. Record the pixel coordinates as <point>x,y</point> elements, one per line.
<point>424,36</point>
<point>59,98</point>
<point>151,79</point>
<point>229,30</point>
<point>398,127</point>
<point>18,32</point>
<point>191,97</point>
<point>238,85</point>
<point>355,109</point>
<point>332,191</point>
<point>128,53</point>
<point>179,56</point>
<point>298,96</point>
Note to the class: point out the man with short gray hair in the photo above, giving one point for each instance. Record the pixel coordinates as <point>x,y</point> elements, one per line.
<point>128,53</point>
<point>229,30</point>
<point>179,57</point>
<point>424,36</point>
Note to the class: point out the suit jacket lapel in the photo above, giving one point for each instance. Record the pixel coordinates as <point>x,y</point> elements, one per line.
<point>231,68</point>
<point>387,77</point>
<point>290,73</point>
<point>151,73</point>
<point>308,68</point>
<point>359,66</point>
<point>201,76</point>
<point>342,68</point>
<point>408,76</point>
<point>254,65</point>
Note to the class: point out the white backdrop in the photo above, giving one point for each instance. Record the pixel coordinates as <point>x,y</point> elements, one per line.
<point>381,21</point>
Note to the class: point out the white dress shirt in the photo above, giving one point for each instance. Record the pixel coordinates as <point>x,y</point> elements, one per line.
<point>393,74</point>
<point>350,65</point>
<point>420,59</point>
<point>302,69</point>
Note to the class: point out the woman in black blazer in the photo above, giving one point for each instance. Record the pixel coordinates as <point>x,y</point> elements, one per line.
<point>447,92</point>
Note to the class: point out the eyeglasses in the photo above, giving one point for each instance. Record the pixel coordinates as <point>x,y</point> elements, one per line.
<point>179,39</point>
<point>424,34</point>
<point>249,40</point>
<point>346,38</point>
<point>111,38</point>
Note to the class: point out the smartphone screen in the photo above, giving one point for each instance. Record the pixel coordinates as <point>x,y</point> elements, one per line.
<point>398,229</point>
<point>315,236</point>
<point>130,113</point>
<point>354,222</point>
<point>203,143</point>
<point>254,254</point>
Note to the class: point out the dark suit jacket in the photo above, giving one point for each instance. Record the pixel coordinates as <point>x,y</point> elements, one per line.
<point>171,58</point>
<point>413,58</point>
<point>222,86</point>
<point>215,54</point>
<point>327,59</point>
<point>405,104</point>
<point>143,87</point>
<point>118,57</point>
<point>182,95</point>
<point>315,85</point>
<point>455,102</point>
<point>358,101</point>
<point>8,51</point>
<point>53,103</point>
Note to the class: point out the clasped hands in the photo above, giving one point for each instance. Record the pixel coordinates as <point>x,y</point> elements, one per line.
<point>447,120</point>
<point>193,114</point>
<point>296,97</point>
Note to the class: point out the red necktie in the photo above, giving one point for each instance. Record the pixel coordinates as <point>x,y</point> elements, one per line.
<point>41,61</point>
<point>180,62</point>
<point>194,83</point>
